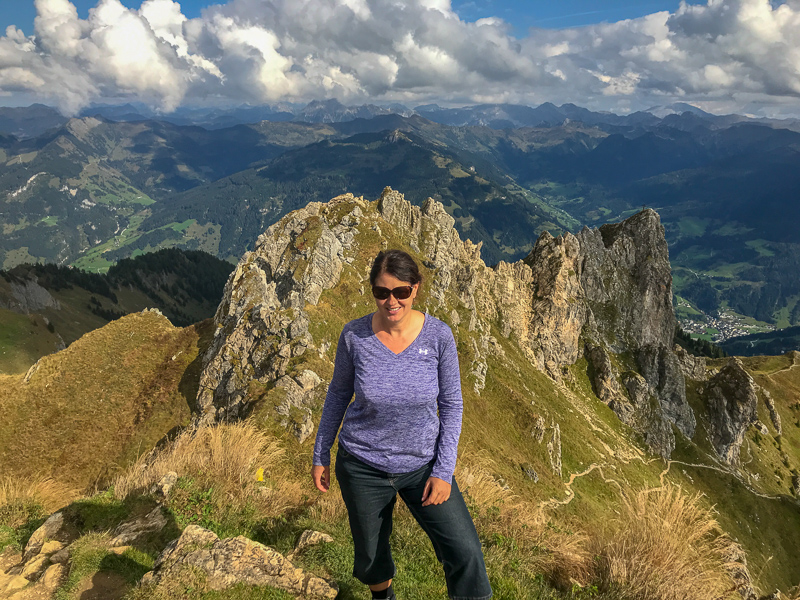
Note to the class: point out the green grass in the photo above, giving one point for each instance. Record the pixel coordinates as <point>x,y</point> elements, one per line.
<point>180,226</point>
<point>50,221</point>
<point>760,246</point>
<point>732,228</point>
<point>90,555</point>
<point>93,260</point>
<point>23,339</point>
<point>693,226</point>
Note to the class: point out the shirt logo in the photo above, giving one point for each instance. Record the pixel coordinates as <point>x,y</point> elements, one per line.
<point>425,351</point>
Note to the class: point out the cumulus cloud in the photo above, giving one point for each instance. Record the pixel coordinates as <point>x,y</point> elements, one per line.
<point>724,54</point>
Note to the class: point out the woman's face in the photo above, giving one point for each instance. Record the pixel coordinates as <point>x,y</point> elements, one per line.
<point>392,309</point>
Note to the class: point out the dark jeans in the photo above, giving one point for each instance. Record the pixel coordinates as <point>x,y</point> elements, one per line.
<point>370,496</point>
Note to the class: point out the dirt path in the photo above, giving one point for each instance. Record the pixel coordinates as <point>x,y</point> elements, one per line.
<point>570,495</point>
<point>553,502</point>
<point>625,456</point>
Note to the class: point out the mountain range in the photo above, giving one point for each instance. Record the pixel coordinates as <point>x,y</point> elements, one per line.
<point>92,190</point>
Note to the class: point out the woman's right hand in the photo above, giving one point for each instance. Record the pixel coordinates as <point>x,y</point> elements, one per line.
<point>322,477</point>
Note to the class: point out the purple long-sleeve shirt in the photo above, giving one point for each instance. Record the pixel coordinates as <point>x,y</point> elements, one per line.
<point>392,423</point>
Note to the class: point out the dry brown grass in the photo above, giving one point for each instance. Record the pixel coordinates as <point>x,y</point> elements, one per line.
<point>20,496</point>
<point>666,545</point>
<point>226,457</point>
<point>46,491</point>
<point>560,554</point>
<point>88,408</point>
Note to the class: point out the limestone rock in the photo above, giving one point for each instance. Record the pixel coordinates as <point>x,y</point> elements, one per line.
<point>554,449</point>
<point>530,472</point>
<point>55,527</point>
<point>53,575</point>
<point>736,566</point>
<point>164,486</point>
<point>296,405</point>
<point>604,378</point>
<point>661,368</point>
<point>693,367</point>
<point>51,547</point>
<point>647,416</point>
<point>538,429</point>
<point>773,412</point>
<point>233,560</point>
<point>558,308</point>
<point>27,296</point>
<point>307,539</point>
<point>732,400</point>
<point>129,531</point>
<point>261,322</point>
<point>34,568</point>
<point>15,583</point>
<point>62,556</point>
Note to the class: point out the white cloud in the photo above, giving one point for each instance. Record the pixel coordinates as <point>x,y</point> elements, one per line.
<point>725,53</point>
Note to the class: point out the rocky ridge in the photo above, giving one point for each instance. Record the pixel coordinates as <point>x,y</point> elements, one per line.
<point>603,294</point>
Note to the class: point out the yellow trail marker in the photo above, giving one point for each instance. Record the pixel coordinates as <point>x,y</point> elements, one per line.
<point>260,474</point>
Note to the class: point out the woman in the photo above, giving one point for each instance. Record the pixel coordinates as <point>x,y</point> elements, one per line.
<point>402,366</point>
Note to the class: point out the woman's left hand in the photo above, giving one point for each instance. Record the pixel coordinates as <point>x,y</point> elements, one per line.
<point>436,491</point>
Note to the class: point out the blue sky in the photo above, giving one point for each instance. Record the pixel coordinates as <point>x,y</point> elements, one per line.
<point>720,55</point>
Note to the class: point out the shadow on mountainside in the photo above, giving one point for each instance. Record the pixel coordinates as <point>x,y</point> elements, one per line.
<point>190,382</point>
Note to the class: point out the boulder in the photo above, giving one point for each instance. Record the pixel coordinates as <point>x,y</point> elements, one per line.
<point>130,531</point>
<point>56,527</point>
<point>54,575</point>
<point>34,568</point>
<point>236,560</point>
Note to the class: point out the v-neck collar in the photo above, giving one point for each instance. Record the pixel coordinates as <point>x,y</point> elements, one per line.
<point>404,350</point>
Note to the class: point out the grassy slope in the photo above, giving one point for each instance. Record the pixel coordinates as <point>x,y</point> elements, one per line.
<point>93,407</point>
<point>23,339</point>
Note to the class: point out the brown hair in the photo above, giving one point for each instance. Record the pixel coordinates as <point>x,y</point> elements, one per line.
<point>396,263</point>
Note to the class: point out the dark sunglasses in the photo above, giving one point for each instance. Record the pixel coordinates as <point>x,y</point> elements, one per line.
<point>401,293</point>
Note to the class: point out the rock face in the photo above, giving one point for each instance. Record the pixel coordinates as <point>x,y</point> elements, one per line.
<point>732,400</point>
<point>261,322</point>
<point>234,560</point>
<point>606,290</point>
<point>28,296</point>
<point>693,367</point>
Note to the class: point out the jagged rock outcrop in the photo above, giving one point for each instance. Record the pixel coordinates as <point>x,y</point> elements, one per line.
<point>646,415</point>
<point>732,400</point>
<point>774,416</point>
<point>261,322</point>
<point>693,367</point>
<point>610,288</point>
<point>234,560</point>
